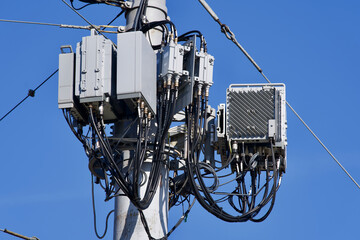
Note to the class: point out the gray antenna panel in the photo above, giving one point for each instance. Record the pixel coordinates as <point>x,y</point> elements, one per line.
<point>136,69</point>
<point>256,112</point>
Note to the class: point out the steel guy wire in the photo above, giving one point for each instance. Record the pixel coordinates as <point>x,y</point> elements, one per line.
<point>31,93</point>
<point>65,25</point>
<point>28,22</point>
<point>231,36</point>
<point>322,144</point>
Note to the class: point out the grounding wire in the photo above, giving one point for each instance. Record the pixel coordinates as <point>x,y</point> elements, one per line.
<point>31,93</point>
<point>231,36</point>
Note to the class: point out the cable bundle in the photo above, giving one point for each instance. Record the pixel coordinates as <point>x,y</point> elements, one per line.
<point>234,190</point>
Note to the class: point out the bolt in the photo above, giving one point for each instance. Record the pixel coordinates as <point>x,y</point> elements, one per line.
<point>121,29</point>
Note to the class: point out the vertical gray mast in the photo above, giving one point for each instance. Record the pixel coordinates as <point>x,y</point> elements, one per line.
<point>127,223</point>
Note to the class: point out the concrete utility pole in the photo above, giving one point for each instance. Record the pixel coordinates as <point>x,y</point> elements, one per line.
<point>127,223</point>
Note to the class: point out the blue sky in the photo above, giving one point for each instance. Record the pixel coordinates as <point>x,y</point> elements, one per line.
<point>311,46</point>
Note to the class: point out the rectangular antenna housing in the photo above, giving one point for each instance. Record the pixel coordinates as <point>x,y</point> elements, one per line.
<point>66,80</point>
<point>136,69</point>
<point>95,75</point>
<point>170,60</point>
<point>66,90</point>
<point>88,78</point>
<point>256,112</point>
<point>197,69</point>
<point>254,123</point>
<point>204,67</point>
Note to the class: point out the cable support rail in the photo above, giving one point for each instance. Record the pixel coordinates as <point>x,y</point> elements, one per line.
<point>100,28</point>
<point>231,36</point>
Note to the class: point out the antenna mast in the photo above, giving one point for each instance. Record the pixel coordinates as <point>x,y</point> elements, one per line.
<point>127,220</point>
